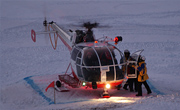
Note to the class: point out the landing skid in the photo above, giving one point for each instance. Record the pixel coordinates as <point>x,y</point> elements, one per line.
<point>60,87</point>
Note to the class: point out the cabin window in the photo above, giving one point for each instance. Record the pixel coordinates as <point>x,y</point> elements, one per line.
<point>78,61</point>
<point>104,56</point>
<point>78,66</point>
<point>74,54</point>
<point>79,72</point>
<point>90,58</point>
<point>79,54</point>
<point>91,69</point>
<point>117,56</point>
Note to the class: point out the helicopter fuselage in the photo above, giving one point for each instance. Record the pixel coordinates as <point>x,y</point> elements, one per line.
<point>97,62</point>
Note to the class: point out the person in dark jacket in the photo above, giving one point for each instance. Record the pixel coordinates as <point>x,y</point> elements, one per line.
<point>142,76</point>
<point>128,69</point>
<point>124,67</point>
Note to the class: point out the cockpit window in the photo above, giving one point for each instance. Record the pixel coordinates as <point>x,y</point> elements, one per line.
<point>90,58</point>
<point>104,56</point>
<point>74,53</point>
<point>93,59</point>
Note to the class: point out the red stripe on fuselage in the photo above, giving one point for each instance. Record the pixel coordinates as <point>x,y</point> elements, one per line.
<point>103,84</point>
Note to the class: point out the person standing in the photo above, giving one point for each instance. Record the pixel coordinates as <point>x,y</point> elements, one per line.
<point>142,76</point>
<point>128,69</point>
<point>124,67</point>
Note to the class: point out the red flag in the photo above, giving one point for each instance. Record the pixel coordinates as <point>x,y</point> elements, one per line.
<point>50,85</point>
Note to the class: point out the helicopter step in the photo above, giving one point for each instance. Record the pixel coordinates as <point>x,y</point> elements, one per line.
<point>69,80</point>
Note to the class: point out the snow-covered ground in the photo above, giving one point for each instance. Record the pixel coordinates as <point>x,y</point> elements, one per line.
<point>26,68</point>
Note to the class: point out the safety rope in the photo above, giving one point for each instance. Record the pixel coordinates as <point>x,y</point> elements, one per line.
<point>55,37</point>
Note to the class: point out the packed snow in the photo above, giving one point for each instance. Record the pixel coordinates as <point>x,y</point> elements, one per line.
<point>26,68</point>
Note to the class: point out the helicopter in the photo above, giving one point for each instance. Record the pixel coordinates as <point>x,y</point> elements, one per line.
<point>94,63</point>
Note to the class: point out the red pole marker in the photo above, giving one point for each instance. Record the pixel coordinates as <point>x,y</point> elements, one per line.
<point>33,35</point>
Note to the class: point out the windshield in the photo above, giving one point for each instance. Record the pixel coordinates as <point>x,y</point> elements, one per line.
<point>90,58</point>
<point>101,56</point>
<point>95,58</point>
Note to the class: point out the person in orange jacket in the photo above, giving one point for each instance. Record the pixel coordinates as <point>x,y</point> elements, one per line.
<point>142,76</point>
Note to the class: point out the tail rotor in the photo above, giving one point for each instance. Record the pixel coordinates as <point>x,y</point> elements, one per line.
<point>46,29</point>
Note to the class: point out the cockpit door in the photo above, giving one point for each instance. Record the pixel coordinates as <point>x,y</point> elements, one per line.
<point>131,72</point>
<point>136,54</point>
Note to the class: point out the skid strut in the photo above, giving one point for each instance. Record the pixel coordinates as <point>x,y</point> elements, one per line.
<point>105,93</point>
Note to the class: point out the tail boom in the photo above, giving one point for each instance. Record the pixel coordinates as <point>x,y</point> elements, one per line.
<point>65,38</point>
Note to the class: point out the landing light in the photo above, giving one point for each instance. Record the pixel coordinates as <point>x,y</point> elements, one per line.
<point>108,86</point>
<point>83,83</point>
